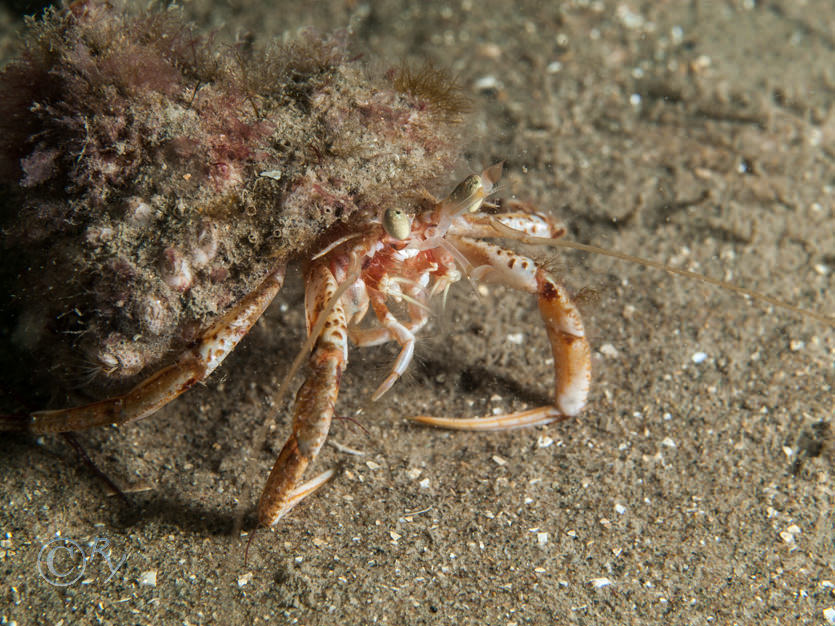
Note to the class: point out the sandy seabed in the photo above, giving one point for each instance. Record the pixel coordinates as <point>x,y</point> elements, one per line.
<point>697,485</point>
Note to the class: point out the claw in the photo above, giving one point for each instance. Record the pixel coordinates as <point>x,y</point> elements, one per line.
<point>315,401</point>
<point>385,386</point>
<point>302,491</point>
<point>509,421</point>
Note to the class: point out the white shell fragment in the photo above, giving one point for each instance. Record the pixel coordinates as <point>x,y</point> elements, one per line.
<point>609,350</point>
<point>544,441</point>
<point>788,535</point>
<point>487,83</point>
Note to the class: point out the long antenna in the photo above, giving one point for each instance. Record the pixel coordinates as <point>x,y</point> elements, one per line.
<point>506,231</point>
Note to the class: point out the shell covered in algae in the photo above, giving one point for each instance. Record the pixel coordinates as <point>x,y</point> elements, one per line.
<point>151,175</point>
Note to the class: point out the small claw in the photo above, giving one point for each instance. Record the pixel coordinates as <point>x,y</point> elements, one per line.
<point>509,421</point>
<point>302,491</point>
<point>491,176</point>
<point>385,386</point>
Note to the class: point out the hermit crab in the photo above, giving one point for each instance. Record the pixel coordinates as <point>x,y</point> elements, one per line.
<point>156,185</point>
<point>156,188</point>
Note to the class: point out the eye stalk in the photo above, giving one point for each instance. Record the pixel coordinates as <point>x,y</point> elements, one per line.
<point>397,224</point>
<point>466,194</point>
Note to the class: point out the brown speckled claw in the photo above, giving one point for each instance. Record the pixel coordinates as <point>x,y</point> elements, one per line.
<point>315,402</point>
<point>569,346</point>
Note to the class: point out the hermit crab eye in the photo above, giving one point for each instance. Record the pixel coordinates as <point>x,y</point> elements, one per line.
<point>466,191</point>
<point>396,223</point>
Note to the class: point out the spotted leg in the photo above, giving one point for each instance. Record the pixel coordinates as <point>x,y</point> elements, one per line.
<point>572,355</point>
<point>315,402</point>
<point>162,387</point>
<point>523,223</point>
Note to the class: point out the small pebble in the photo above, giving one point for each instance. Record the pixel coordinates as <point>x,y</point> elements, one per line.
<point>701,63</point>
<point>609,350</point>
<point>490,51</point>
<point>487,83</point>
<point>629,18</point>
<point>787,537</point>
<point>544,441</point>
